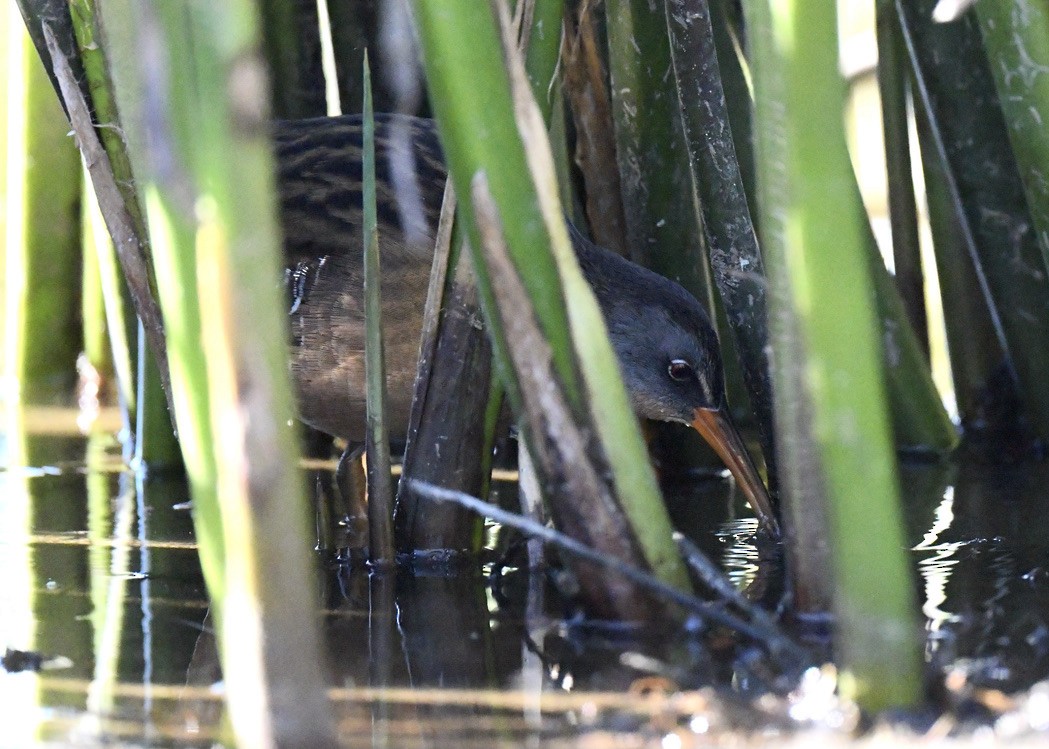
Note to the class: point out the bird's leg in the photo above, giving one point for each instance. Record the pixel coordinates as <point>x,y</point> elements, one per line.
<point>352,509</point>
<point>316,444</point>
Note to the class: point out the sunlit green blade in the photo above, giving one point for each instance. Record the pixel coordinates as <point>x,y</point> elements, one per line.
<point>815,252</point>
<point>206,166</point>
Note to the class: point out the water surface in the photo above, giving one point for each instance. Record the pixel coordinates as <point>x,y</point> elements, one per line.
<point>100,577</point>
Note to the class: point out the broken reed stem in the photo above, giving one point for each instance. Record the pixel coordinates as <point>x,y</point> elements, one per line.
<point>563,452</point>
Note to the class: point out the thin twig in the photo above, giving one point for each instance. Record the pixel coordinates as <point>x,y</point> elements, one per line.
<point>773,642</point>
<point>714,578</point>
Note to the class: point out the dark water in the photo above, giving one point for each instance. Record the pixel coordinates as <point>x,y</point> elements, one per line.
<point>99,575</point>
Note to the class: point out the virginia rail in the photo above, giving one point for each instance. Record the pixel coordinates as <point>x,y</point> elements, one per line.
<point>665,343</point>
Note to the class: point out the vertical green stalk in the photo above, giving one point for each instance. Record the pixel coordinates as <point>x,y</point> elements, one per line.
<point>662,212</point>
<point>543,51</point>
<point>814,245</point>
<point>985,394</point>
<point>903,211</point>
<point>664,224</point>
<point>156,446</point>
<point>919,420</point>
<point>1016,37</point>
<point>140,80</point>
<point>802,485</point>
<point>42,335</point>
<point>207,167</point>
<point>377,442</point>
<point>562,160</point>
<point>955,88</point>
<point>734,254</point>
<point>479,132</point>
<point>450,438</point>
<point>92,308</point>
<point>172,234</point>
<point>120,320</point>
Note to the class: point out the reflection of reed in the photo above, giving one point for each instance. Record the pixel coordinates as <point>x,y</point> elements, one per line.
<point>18,588</point>
<point>936,571</point>
<point>109,589</point>
<point>740,559</point>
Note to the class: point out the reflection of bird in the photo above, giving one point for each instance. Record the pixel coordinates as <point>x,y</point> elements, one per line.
<point>665,343</point>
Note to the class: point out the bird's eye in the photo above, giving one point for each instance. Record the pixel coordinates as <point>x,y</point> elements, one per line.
<point>680,370</point>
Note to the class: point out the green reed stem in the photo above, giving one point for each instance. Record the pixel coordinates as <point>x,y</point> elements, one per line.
<point>982,394</point>
<point>208,176</point>
<point>658,193</point>
<point>380,488</point>
<point>813,240</point>
<point>955,89</point>
<point>543,52</point>
<point>664,224</point>
<point>92,308</point>
<point>156,446</point>
<point>733,244</point>
<point>42,334</point>
<point>919,420</point>
<point>1016,37</point>
<point>120,320</point>
<point>903,210</point>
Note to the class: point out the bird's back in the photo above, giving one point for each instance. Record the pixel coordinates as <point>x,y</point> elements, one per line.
<point>320,188</point>
<point>320,201</point>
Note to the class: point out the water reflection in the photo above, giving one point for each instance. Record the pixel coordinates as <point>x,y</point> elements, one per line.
<point>17,624</point>
<point>936,571</point>
<point>76,584</point>
<point>102,570</point>
<point>982,561</point>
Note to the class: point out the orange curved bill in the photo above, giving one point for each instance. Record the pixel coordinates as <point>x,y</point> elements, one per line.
<point>721,434</point>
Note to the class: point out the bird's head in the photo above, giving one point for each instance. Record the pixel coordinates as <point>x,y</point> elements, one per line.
<point>670,359</point>
<point>668,353</point>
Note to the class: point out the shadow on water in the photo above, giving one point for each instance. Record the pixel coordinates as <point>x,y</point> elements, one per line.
<point>100,577</point>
